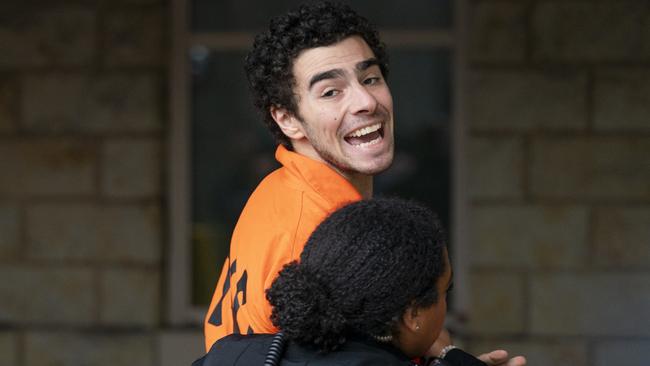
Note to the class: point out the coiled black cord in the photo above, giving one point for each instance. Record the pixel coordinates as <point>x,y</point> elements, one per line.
<point>276,349</point>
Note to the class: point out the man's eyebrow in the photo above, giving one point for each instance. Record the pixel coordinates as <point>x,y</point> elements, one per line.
<point>337,73</point>
<point>329,74</point>
<point>364,65</point>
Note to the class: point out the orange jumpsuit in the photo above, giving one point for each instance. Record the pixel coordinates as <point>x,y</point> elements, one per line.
<point>272,229</point>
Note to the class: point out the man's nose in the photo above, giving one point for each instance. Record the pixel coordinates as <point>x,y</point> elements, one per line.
<point>363,101</point>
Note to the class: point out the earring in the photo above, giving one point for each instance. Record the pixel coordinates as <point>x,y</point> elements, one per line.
<point>417,326</point>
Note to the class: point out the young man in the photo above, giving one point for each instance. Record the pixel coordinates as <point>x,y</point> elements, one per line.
<point>318,77</point>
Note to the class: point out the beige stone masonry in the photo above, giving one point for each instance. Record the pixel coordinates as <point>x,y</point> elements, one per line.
<point>96,349</point>
<point>133,38</point>
<point>51,296</point>
<point>496,167</point>
<point>190,341</point>
<point>8,105</point>
<point>97,233</point>
<point>38,36</point>
<point>130,297</point>
<point>137,3</point>
<point>497,32</point>
<point>497,303</point>
<point>622,100</point>
<point>588,31</point>
<point>82,134</point>
<point>645,49</point>
<point>590,304</point>
<point>529,236</point>
<point>9,231</point>
<point>632,352</point>
<point>527,101</point>
<point>8,349</point>
<point>557,352</point>
<point>132,168</point>
<point>622,237</point>
<point>92,104</point>
<point>47,167</point>
<point>591,167</point>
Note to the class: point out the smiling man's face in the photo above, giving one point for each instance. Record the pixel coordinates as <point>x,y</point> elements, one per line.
<point>345,109</point>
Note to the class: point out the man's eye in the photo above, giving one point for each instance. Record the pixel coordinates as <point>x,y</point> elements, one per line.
<point>330,93</point>
<point>370,81</point>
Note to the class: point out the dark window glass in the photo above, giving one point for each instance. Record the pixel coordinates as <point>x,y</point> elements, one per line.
<point>231,151</point>
<point>247,15</point>
<point>420,84</point>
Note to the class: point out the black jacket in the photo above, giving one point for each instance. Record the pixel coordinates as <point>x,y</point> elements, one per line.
<point>251,350</point>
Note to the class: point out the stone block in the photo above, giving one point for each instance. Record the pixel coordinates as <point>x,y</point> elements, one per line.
<point>593,31</point>
<point>527,101</point>
<point>622,237</point>
<point>47,167</point>
<point>130,297</point>
<point>137,2</point>
<point>495,167</point>
<point>177,347</point>
<point>496,304</point>
<point>47,36</point>
<point>630,352</point>
<point>590,304</point>
<point>529,236</point>
<point>591,167</point>
<point>622,101</point>
<point>8,349</point>
<point>67,348</point>
<point>46,296</point>
<point>645,51</point>
<point>55,102</point>
<point>556,352</point>
<point>9,231</point>
<point>132,168</point>
<point>497,32</point>
<point>93,104</point>
<point>8,103</point>
<point>134,38</point>
<point>121,233</point>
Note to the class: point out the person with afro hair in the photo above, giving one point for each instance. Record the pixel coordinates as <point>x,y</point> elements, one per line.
<point>370,289</point>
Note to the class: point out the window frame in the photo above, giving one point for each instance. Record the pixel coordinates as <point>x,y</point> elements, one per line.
<point>180,310</point>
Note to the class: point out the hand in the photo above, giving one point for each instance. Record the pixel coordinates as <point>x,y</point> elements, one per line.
<point>500,358</point>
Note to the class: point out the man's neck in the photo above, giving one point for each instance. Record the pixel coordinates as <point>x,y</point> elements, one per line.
<point>363,183</point>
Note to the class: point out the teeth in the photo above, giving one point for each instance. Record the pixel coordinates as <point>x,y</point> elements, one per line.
<point>366,130</point>
<point>375,141</point>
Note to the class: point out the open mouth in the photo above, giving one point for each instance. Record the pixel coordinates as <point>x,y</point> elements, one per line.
<point>365,136</point>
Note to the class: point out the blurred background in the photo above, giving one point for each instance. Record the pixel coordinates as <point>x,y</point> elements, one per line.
<point>128,146</point>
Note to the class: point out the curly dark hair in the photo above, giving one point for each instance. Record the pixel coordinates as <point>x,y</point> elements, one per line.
<point>269,65</point>
<point>360,270</point>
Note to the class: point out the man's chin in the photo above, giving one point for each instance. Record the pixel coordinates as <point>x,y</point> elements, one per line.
<point>356,164</point>
<point>372,169</point>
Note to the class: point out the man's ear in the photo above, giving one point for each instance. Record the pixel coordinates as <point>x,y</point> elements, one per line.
<point>287,122</point>
<point>411,319</point>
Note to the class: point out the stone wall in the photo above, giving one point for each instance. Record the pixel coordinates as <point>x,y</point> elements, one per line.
<point>82,121</point>
<point>559,157</point>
